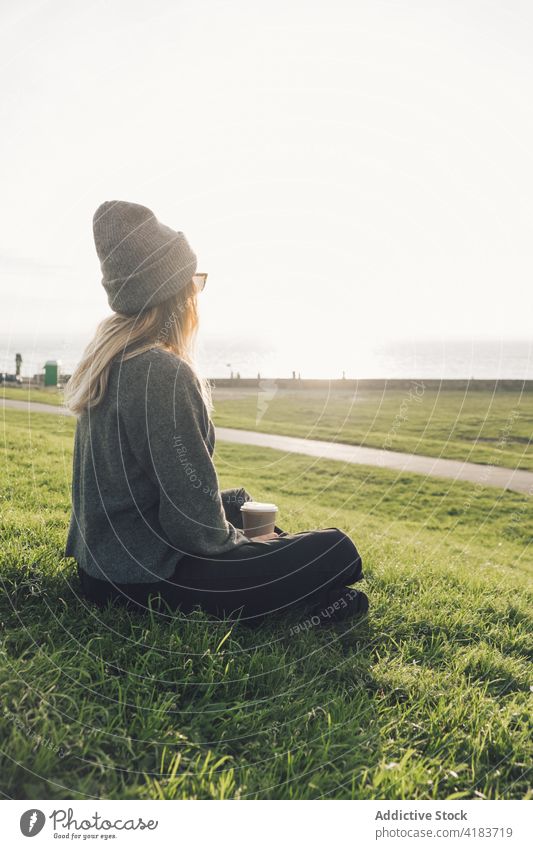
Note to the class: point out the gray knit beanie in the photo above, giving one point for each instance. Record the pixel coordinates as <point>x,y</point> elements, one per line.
<point>143,262</point>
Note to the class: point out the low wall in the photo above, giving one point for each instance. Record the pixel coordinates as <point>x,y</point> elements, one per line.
<point>379,384</point>
<point>353,385</point>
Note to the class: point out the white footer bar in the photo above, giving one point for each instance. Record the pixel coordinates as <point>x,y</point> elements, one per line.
<point>277,824</point>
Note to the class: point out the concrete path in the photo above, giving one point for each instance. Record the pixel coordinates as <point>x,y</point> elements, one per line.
<point>516,480</point>
<point>35,408</point>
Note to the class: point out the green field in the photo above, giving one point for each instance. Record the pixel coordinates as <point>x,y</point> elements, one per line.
<point>479,426</point>
<point>427,698</point>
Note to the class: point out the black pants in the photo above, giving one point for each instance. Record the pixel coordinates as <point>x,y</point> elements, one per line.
<point>254,579</point>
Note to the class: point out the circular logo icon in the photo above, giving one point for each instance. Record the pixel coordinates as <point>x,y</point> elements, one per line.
<point>32,822</point>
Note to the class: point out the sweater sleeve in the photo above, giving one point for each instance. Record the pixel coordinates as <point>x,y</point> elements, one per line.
<point>171,446</point>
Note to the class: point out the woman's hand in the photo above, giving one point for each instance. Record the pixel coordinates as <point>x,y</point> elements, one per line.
<point>264,537</point>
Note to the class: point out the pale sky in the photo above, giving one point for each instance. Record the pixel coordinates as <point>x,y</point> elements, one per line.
<point>344,170</point>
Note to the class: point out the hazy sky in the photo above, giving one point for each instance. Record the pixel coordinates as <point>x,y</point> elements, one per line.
<point>344,170</point>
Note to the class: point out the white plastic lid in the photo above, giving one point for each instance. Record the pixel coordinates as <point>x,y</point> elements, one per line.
<point>252,506</point>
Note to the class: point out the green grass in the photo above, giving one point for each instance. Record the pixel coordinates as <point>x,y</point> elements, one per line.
<point>429,698</point>
<point>34,394</point>
<point>478,425</point>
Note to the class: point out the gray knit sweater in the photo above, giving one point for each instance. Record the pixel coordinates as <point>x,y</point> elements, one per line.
<point>144,489</point>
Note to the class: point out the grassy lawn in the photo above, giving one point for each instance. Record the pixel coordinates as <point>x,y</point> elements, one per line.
<point>479,426</point>
<point>429,698</point>
<point>34,394</point>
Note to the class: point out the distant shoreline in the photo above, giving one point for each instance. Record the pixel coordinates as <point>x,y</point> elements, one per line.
<point>417,359</point>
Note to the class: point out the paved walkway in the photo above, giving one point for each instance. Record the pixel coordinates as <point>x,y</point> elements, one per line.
<point>35,408</point>
<point>517,480</point>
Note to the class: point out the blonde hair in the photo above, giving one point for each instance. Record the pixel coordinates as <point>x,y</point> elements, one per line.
<point>171,325</point>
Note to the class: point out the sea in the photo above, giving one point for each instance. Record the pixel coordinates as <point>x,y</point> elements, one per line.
<point>424,358</point>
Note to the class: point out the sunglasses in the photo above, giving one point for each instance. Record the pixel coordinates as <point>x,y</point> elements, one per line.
<point>199,281</point>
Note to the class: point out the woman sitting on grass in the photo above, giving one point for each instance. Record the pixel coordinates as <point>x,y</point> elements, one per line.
<point>148,518</point>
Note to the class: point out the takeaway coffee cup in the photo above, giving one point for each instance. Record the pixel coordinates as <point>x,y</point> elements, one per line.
<point>258,518</point>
